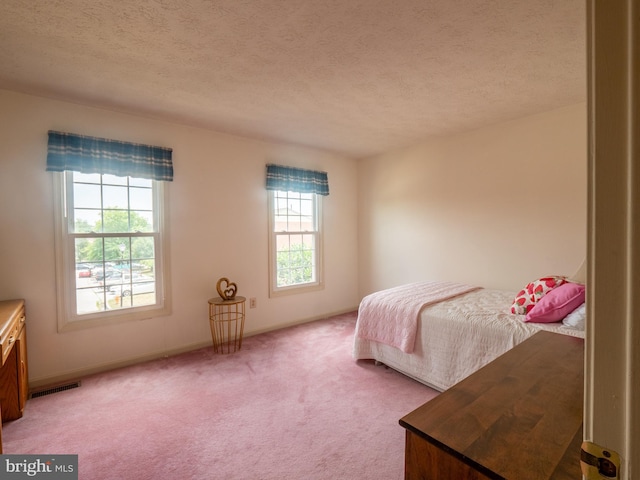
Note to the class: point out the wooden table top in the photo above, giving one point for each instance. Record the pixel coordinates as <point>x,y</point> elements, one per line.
<point>519,417</point>
<point>230,301</point>
<point>8,308</point>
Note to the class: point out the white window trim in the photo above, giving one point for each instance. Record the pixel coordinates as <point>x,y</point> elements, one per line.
<point>275,291</point>
<point>68,320</point>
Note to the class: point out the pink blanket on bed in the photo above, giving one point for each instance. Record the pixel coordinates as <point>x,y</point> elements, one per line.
<point>391,316</point>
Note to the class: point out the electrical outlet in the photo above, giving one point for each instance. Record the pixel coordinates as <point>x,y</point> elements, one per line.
<point>597,462</point>
<point>252,302</point>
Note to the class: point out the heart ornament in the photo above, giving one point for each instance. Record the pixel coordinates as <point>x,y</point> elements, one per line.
<point>228,290</point>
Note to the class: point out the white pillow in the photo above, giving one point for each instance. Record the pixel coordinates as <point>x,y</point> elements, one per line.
<point>576,318</point>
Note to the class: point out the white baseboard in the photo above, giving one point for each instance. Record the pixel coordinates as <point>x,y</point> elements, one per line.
<point>77,374</point>
<point>85,372</point>
<point>300,322</point>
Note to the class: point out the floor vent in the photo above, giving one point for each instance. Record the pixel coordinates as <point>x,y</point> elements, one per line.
<point>56,389</point>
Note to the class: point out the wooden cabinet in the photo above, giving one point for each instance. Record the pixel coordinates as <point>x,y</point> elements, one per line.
<point>519,417</point>
<point>23,367</point>
<point>14,373</point>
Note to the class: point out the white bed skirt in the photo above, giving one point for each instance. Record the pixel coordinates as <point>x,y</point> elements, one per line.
<point>457,337</point>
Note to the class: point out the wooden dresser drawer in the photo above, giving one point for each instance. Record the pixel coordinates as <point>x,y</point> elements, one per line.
<point>14,373</point>
<point>10,330</point>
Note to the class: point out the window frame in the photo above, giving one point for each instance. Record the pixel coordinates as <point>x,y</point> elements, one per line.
<point>318,284</point>
<point>67,316</point>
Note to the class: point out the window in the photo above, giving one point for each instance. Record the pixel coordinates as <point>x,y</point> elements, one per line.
<point>110,237</point>
<point>295,228</point>
<point>295,241</point>
<point>110,229</point>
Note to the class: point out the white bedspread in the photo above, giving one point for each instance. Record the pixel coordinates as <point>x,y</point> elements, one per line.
<point>457,337</point>
<point>391,316</point>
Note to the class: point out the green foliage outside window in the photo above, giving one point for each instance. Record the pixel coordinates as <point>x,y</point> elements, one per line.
<point>295,265</point>
<point>115,248</point>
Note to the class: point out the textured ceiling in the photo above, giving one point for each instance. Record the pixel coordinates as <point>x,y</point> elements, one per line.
<point>358,77</point>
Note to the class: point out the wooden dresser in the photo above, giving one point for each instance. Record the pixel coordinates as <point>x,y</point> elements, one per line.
<point>14,376</point>
<point>518,418</point>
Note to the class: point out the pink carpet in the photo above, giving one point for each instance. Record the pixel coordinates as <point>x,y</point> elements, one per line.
<point>292,404</point>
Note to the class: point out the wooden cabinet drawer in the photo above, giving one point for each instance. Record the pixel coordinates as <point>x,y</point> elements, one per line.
<point>14,376</point>
<point>10,331</point>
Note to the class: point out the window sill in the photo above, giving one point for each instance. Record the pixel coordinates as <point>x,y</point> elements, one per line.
<point>296,289</point>
<point>101,320</point>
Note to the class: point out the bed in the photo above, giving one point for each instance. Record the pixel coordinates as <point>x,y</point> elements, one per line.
<point>454,336</point>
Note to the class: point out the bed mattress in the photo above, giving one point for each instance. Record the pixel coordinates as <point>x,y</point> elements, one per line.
<point>457,337</point>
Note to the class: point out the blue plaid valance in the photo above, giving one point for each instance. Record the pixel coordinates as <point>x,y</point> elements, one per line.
<point>79,153</point>
<point>290,179</point>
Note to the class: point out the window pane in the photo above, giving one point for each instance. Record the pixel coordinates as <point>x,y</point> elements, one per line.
<point>140,182</point>
<point>115,221</point>
<point>90,299</point>
<point>90,198</point>
<point>294,240</point>
<point>135,286</point>
<point>114,180</point>
<point>90,269</point>
<point>294,212</point>
<point>86,221</point>
<point>294,205</point>
<point>280,223</point>
<point>295,259</point>
<point>86,195</point>
<point>296,255</point>
<point>306,207</point>
<point>110,272</point>
<point>115,197</point>
<point>295,225</point>
<point>142,221</point>
<point>89,251</point>
<point>142,248</point>
<point>131,290</point>
<point>141,198</point>
<point>86,177</point>
<point>116,249</point>
<point>124,279</point>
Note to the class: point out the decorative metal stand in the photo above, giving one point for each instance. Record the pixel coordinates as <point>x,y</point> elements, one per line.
<point>226,318</point>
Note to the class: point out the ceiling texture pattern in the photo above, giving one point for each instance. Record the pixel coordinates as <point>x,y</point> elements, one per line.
<point>357,77</point>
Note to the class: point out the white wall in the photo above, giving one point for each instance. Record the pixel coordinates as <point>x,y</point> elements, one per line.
<point>218,219</point>
<point>495,207</point>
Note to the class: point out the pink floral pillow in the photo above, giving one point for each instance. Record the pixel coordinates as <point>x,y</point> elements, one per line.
<point>527,297</point>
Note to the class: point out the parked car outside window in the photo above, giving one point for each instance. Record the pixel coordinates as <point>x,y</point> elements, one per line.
<point>107,274</point>
<point>83,270</point>
<point>129,284</point>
